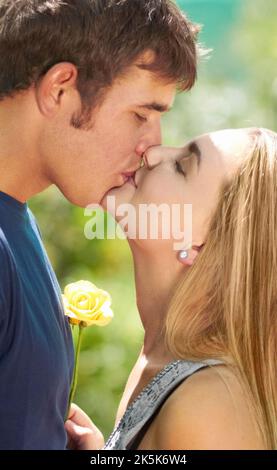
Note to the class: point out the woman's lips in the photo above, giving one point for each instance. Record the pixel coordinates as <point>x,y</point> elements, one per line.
<point>129,178</point>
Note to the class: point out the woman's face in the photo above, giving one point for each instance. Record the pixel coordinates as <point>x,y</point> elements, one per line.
<point>192,174</point>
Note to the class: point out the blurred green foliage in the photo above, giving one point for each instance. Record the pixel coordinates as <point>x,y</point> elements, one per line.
<point>237,87</point>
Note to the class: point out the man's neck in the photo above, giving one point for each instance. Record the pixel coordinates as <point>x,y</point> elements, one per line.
<point>21,174</point>
<point>19,182</point>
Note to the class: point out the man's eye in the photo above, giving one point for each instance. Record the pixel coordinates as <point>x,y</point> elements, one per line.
<point>140,118</point>
<point>179,168</point>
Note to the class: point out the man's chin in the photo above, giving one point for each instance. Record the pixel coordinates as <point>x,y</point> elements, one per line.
<point>78,201</point>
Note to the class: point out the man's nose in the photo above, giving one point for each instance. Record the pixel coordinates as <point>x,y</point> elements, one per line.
<point>151,138</point>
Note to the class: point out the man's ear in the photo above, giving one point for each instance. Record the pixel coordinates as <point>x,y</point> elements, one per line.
<point>58,80</point>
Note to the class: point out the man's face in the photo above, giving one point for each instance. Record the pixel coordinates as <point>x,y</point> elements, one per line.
<point>86,164</point>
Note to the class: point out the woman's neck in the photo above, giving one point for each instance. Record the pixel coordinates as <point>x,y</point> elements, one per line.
<point>155,276</point>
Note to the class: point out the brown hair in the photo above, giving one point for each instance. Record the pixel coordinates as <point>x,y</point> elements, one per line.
<point>225,305</point>
<point>100,37</point>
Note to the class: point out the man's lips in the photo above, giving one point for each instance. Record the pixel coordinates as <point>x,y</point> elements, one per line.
<point>128,173</point>
<point>128,177</point>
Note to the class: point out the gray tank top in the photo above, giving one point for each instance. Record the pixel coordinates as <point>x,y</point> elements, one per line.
<point>140,413</point>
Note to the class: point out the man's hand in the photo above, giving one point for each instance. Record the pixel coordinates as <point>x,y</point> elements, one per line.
<point>81,432</point>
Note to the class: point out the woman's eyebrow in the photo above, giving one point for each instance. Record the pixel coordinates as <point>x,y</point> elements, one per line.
<point>193,149</point>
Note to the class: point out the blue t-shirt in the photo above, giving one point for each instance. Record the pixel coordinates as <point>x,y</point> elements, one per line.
<point>36,348</point>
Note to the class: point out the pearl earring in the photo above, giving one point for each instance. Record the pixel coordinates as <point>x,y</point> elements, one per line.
<point>184,254</point>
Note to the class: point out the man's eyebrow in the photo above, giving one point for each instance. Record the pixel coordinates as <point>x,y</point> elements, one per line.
<point>154,106</point>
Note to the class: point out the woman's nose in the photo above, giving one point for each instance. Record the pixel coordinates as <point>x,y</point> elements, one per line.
<point>152,157</point>
<point>158,154</point>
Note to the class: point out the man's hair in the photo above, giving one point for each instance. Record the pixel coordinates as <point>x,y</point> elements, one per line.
<point>102,38</point>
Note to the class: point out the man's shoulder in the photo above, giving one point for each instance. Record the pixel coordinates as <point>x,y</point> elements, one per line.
<point>34,223</point>
<point>4,245</point>
<point>7,274</point>
<point>6,258</point>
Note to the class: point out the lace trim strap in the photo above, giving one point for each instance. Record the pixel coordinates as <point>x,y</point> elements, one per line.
<point>152,397</point>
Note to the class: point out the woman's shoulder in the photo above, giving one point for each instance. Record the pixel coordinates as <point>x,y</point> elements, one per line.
<point>209,410</point>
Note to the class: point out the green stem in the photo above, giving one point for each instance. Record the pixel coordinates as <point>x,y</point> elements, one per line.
<point>76,366</point>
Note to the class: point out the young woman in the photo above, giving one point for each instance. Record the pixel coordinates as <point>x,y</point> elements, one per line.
<point>206,377</point>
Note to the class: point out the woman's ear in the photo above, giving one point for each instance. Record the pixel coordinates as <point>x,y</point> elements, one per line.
<point>187,257</point>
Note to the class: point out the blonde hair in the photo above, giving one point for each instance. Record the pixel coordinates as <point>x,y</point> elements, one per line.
<point>225,304</point>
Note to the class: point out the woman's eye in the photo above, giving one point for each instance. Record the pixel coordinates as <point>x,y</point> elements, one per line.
<point>140,118</point>
<point>179,168</point>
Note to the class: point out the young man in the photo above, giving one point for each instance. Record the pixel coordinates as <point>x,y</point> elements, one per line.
<point>82,88</point>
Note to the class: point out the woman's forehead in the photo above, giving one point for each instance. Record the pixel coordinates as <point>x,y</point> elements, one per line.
<point>219,152</point>
<point>229,143</point>
<point>226,148</point>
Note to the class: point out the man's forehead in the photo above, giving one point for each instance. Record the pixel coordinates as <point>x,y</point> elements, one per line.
<point>155,96</point>
<point>142,88</point>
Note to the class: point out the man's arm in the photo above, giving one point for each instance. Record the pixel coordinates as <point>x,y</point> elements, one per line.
<point>82,433</point>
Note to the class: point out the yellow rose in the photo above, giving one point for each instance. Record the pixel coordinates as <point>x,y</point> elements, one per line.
<point>84,302</point>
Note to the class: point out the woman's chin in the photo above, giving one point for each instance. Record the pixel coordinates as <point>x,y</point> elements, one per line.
<point>118,196</point>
